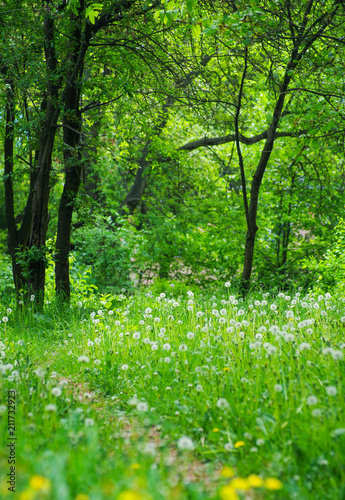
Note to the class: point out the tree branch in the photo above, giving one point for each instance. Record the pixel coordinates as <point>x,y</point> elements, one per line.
<point>217,141</point>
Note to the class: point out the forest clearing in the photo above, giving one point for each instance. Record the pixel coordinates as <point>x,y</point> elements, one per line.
<point>172,249</point>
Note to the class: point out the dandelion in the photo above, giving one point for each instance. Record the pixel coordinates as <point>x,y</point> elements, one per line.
<point>274,329</point>
<point>278,387</point>
<point>260,442</point>
<point>227,471</point>
<point>222,403</point>
<point>273,484</point>
<point>316,413</point>
<point>228,493</point>
<point>183,347</point>
<point>228,284</point>
<point>166,347</point>
<point>5,319</point>
<point>167,360</point>
<point>336,355</point>
<point>89,422</point>
<point>239,444</point>
<point>39,372</point>
<point>150,449</point>
<point>142,406</point>
<point>271,349</point>
<point>311,400</point>
<point>190,335</point>
<point>84,359</point>
<point>136,335</point>
<point>331,390</point>
<point>304,346</point>
<point>56,392</point>
<point>39,483</point>
<point>97,361</point>
<point>124,367</point>
<point>185,443</point>
<point>255,481</point>
<point>51,407</point>
<point>198,387</point>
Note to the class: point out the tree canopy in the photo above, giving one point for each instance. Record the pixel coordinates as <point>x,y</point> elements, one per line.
<point>202,140</point>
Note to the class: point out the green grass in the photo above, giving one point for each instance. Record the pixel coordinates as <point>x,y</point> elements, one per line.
<point>100,410</point>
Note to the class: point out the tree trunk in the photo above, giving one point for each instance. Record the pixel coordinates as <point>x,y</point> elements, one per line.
<point>72,159</point>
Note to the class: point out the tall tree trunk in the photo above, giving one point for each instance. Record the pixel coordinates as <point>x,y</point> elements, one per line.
<point>72,125</point>
<point>13,239</point>
<point>42,168</point>
<point>302,44</point>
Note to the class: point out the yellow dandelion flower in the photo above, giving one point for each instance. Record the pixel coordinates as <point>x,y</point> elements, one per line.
<point>39,483</point>
<point>238,444</point>
<point>129,495</point>
<point>226,369</point>
<point>255,481</point>
<point>82,496</point>
<point>228,493</point>
<point>240,483</point>
<point>135,466</point>
<point>271,483</point>
<point>27,495</point>
<point>227,471</point>
<point>215,429</point>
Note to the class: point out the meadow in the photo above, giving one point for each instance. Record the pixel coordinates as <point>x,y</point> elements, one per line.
<point>175,393</point>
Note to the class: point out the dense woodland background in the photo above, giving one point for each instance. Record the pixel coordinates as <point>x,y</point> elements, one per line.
<point>165,139</point>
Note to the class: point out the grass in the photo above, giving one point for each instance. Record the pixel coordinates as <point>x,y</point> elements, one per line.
<point>175,395</point>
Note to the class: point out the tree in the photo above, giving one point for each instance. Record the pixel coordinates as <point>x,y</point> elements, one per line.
<point>276,41</point>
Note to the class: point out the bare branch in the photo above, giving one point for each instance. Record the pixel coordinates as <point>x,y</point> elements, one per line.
<point>217,141</point>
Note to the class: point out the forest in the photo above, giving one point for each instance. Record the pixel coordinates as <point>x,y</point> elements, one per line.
<point>172,265</point>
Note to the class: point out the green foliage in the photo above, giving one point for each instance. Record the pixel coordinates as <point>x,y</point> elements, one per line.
<point>329,272</point>
<point>107,250</point>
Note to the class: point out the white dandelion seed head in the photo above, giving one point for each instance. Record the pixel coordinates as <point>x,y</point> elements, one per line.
<point>312,400</point>
<point>84,359</point>
<point>331,390</point>
<point>222,403</point>
<point>304,346</point>
<point>51,407</point>
<point>142,406</point>
<point>185,443</point>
